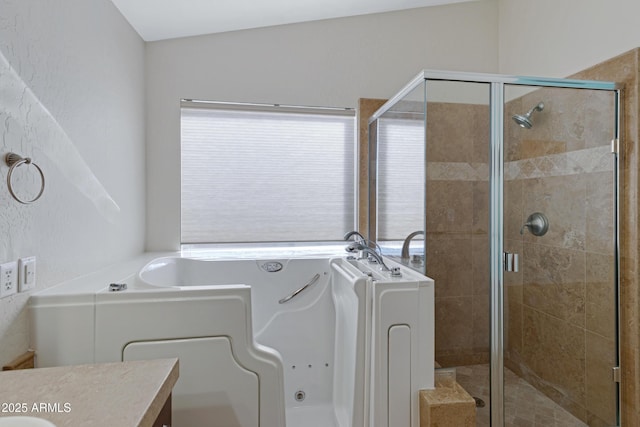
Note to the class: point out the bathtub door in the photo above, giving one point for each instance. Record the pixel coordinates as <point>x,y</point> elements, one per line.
<point>212,390</point>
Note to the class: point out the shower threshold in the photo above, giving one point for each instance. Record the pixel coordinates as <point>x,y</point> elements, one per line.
<point>524,404</point>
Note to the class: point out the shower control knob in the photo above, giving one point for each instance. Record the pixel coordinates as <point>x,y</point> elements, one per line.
<point>537,224</point>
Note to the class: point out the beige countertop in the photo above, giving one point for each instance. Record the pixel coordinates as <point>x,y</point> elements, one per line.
<point>123,394</point>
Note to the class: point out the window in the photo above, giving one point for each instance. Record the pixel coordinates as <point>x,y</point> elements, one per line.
<point>266,174</point>
<point>401,177</point>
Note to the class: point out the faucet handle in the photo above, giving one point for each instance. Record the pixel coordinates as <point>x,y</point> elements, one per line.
<point>537,224</point>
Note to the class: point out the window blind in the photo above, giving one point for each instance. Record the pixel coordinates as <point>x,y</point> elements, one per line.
<point>266,176</point>
<point>401,177</point>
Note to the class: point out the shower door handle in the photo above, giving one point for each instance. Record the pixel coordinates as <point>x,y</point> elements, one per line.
<point>510,262</point>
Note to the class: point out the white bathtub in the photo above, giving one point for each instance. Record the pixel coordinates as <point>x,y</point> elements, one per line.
<point>350,350</point>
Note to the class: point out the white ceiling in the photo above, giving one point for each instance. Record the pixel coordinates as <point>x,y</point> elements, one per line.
<point>167,19</point>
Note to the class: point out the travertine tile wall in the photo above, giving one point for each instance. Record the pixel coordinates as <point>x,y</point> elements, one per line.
<point>457,224</point>
<point>366,108</point>
<point>560,306</point>
<point>625,69</point>
<point>457,227</point>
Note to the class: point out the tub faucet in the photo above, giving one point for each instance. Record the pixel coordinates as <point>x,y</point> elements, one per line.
<point>359,237</point>
<point>363,240</point>
<point>373,254</point>
<point>407,242</point>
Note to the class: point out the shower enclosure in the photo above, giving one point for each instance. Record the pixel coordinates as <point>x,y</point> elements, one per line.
<point>504,190</point>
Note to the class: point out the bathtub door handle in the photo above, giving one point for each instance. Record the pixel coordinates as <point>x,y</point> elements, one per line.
<point>302,288</point>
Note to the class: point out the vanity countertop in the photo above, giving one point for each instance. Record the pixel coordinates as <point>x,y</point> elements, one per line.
<point>123,394</point>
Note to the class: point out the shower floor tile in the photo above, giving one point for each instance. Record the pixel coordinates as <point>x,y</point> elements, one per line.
<point>524,405</point>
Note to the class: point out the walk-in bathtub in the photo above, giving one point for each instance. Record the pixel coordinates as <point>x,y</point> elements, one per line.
<point>302,342</point>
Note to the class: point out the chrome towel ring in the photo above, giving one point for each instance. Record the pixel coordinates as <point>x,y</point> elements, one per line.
<point>14,160</point>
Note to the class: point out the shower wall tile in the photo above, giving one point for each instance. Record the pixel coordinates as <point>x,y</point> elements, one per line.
<point>454,325</point>
<point>512,134</point>
<point>591,160</point>
<point>555,357</point>
<point>552,165</point>
<point>481,134</point>
<point>600,388</point>
<point>480,264</point>
<point>599,109</point>
<point>563,201</point>
<point>480,313</point>
<point>565,115</point>
<point>513,209</point>
<point>450,206</point>
<point>600,295</point>
<point>513,318</point>
<point>532,148</point>
<point>480,219</point>
<point>600,212</point>
<point>457,227</point>
<point>596,159</point>
<point>449,264</point>
<point>450,132</point>
<point>581,118</point>
<point>554,283</point>
<point>457,171</point>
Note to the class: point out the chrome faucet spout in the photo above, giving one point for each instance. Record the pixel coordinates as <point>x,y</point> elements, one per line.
<point>407,242</point>
<point>354,233</point>
<point>354,247</point>
<point>363,240</point>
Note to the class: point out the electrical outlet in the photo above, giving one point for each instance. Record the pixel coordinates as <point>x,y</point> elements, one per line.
<point>26,273</point>
<point>8,279</point>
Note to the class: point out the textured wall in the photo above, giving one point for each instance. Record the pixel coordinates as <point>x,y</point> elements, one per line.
<point>76,105</point>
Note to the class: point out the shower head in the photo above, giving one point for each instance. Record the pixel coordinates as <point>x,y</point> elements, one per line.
<point>525,120</point>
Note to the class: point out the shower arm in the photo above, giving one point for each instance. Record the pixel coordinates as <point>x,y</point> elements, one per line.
<point>538,107</point>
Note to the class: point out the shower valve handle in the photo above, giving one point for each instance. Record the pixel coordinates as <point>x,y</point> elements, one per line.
<point>537,224</point>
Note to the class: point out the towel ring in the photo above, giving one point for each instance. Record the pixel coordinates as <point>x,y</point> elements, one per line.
<point>14,160</point>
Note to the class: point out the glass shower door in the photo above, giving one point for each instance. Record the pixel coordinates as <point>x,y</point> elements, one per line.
<point>519,169</point>
<point>560,304</point>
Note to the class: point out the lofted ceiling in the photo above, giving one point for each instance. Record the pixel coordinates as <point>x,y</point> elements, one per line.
<point>167,19</point>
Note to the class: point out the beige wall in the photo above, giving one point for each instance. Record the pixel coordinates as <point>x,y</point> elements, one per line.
<point>333,62</point>
<point>558,38</point>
